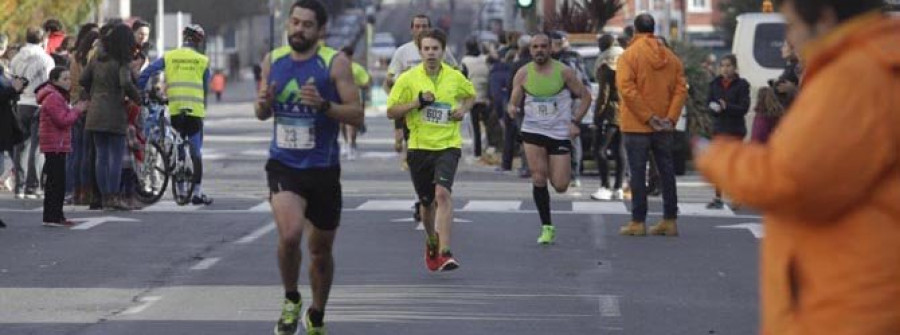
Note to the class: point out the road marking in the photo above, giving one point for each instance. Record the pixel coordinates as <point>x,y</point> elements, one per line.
<point>205,264</point>
<point>93,222</point>
<point>256,234</point>
<point>609,306</point>
<point>578,208</point>
<point>268,139</point>
<point>491,205</point>
<point>169,206</point>
<point>699,209</point>
<point>379,154</point>
<point>456,220</point>
<point>755,228</point>
<point>387,205</point>
<point>262,207</point>
<point>599,207</point>
<point>146,302</point>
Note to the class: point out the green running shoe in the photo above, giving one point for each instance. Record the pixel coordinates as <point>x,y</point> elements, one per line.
<point>310,329</point>
<point>548,235</point>
<point>290,318</point>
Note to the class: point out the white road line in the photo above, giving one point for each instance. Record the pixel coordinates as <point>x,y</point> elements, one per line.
<point>205,264</point>
<point>256,234</point>
<point>96,221</point>
<point>756,229</point>
<point>387,205</point>
<point>609,306</point>
<point>146,303</point>
<point>483,205</point>
<point>267,139</point>
<point>169,206</point>
<point>262,207</point>
<point>599,207</point>
<point>699,209</point>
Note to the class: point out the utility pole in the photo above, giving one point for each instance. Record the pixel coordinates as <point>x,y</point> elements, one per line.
<point>160,30</point>
<point>272,24</point>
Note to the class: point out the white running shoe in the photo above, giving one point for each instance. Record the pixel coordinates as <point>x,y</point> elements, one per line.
<point>602,194</point>
<point>618,194</point>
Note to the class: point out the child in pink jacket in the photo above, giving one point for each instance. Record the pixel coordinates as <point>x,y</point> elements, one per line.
<point>56,120</point>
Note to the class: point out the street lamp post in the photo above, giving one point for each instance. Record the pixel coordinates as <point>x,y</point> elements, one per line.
<point>272,25</point>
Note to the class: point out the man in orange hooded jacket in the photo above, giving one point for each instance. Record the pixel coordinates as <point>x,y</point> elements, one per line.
<point>828,181</point>
<point>652,89</point>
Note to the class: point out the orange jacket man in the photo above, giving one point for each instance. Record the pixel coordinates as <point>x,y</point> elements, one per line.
<point>828,181</point>
<point>652,88</point>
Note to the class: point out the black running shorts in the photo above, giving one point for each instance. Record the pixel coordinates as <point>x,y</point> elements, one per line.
<point>552,145</point>
<point>321,188</point>
<point>431,168</point>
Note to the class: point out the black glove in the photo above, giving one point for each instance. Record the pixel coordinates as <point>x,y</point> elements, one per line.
<point>423,102</point>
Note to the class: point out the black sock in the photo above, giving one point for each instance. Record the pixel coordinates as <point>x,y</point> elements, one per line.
<point>293,296</point>
<point>542,201</point>
<point>316,317</point>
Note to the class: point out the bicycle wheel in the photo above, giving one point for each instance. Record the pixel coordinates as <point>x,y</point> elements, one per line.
<point>183,173</point>
<point>152,174</point>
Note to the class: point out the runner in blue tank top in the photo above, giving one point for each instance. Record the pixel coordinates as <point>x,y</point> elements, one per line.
<point>310,91</point>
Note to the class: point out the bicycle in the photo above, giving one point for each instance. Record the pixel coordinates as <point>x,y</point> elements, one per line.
<point>152,161</point>
<point>164,157</point>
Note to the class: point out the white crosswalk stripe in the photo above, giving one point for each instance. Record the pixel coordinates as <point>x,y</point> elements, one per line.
<point>387,205</point>
<point>492,205</point>
<point>694,209</point>
<point>594,207</point>
<point>471,206</point>
<point>170,206</point>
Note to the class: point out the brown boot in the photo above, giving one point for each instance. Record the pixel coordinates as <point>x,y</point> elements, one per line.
<point>665,228</point>
<point>633,229</point>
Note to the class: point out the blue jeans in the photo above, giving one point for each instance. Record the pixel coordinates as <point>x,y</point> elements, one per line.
<point>109,150</point>
<point>76,163</point>
<point>639,147</point>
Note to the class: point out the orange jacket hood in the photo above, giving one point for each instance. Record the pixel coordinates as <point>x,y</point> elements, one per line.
<point>653,51</point>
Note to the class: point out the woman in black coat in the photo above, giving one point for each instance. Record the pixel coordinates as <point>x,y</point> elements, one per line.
<point>729,101</point>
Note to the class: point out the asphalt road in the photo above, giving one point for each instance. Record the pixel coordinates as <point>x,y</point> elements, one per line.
<point>212,270</point>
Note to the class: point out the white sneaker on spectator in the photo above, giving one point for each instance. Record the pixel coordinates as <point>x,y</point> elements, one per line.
<point>20,195</point>
<point>618,194</point>
<point>602,194</point>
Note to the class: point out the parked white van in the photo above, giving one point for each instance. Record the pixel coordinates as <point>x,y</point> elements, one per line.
<point>757,44</point>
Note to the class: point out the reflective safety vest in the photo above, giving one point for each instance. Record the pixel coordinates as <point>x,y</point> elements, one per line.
<point>185,69</point>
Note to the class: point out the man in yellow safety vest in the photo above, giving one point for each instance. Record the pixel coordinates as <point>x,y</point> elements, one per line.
<point>187,81</point>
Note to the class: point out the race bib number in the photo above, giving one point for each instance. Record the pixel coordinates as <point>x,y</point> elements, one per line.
<point>295,133</point>
<point>544,108</point>
<point>437,113</point>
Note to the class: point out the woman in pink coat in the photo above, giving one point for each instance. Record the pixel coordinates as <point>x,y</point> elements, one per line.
<point>56,120</point>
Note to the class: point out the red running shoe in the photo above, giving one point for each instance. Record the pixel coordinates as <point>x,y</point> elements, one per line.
<point>432,259</point>
<point>447,262</point>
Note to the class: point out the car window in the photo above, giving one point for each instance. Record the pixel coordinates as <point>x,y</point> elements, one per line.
<point>767,44</point>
